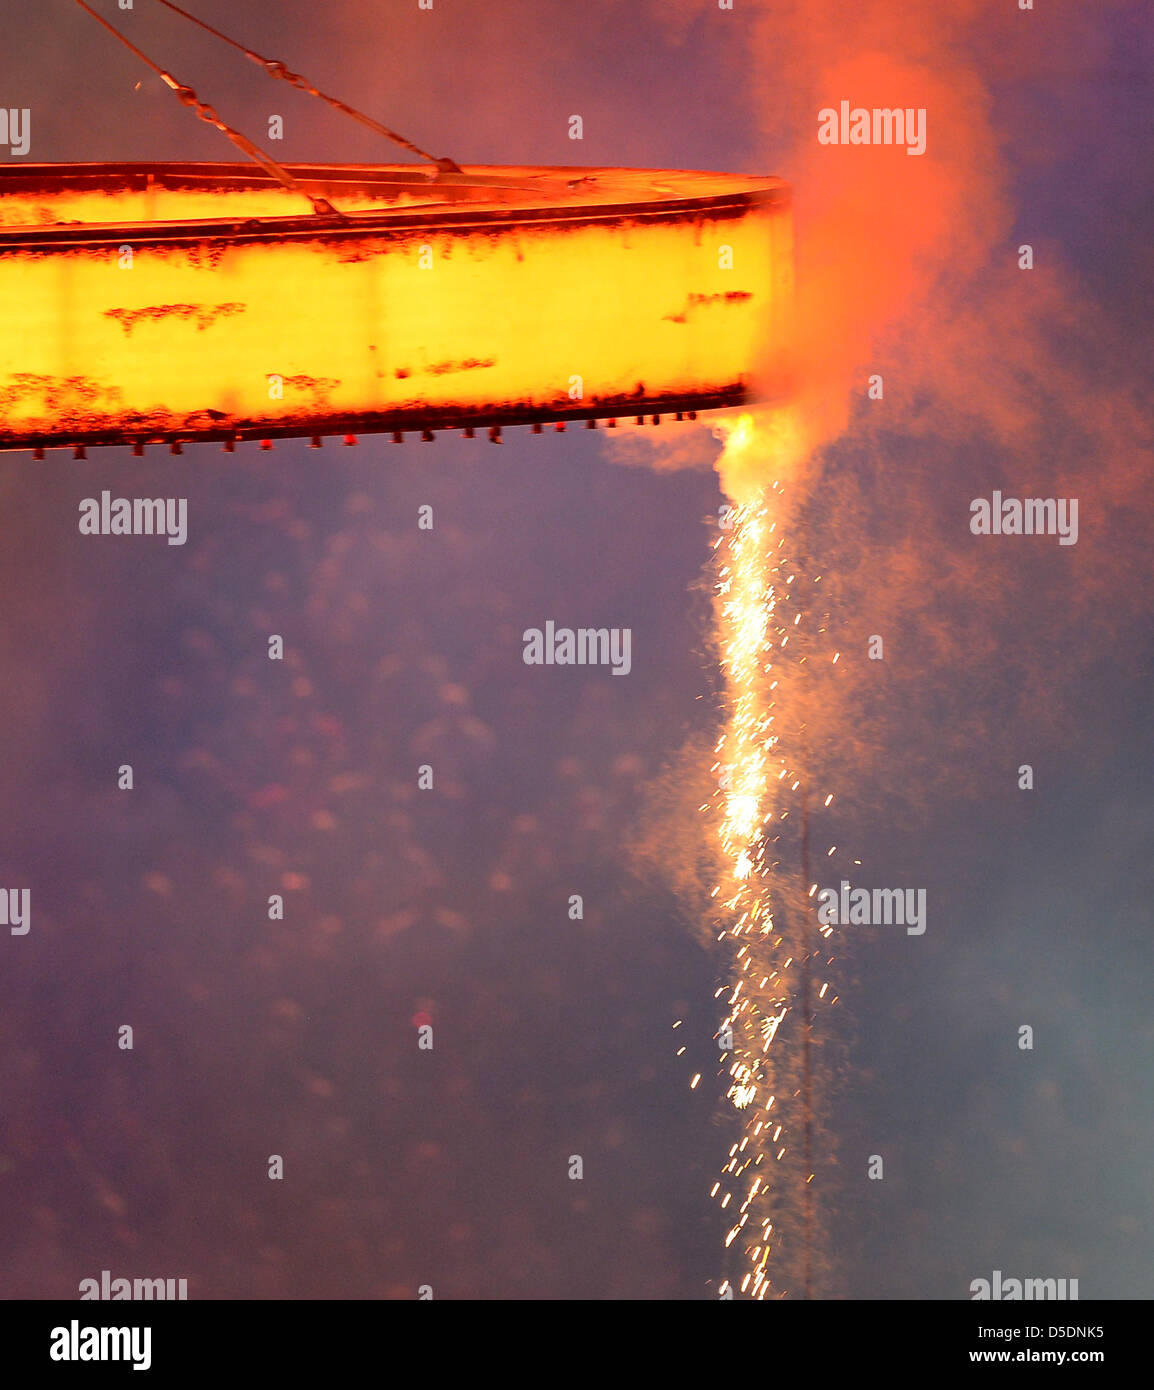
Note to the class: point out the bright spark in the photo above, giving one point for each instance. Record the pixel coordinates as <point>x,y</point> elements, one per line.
<point>758,608</point>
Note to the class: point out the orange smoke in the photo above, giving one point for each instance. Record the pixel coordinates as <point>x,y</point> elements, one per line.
<point>876,227</point>
<point>991,376</point>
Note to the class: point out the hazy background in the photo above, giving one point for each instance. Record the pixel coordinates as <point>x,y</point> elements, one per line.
<point>552,1038</point>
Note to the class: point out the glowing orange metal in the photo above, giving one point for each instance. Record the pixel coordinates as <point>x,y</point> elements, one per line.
<point>168,303</point>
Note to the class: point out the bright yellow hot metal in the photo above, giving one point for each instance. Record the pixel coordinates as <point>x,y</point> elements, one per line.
<point>183,302</point>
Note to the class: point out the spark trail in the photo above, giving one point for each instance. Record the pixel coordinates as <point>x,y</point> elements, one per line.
<point>761,902</point>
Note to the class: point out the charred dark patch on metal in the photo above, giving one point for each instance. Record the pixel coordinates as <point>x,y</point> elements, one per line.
<point>203,315</point>
<point>320,386</point>
<point>59,395</point>
<point>207,256</point>
<point>112,426</point>
<point>730,296</point>
<point>695,301</point>
<point>470,364</point>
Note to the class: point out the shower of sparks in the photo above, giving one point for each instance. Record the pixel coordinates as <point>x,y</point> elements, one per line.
<point>770,961</point>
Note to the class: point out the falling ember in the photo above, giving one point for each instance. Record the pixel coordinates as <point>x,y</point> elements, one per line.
<point>761,898</point>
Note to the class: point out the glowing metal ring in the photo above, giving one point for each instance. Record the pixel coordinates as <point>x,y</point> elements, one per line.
<point>185,302</point>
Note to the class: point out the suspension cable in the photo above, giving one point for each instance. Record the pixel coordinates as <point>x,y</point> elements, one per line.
<point>278,69</point>
<point>206,113</point>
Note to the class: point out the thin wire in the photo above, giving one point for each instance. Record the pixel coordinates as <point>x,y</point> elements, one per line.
<point>206,113</point>
<point>278,69</point>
